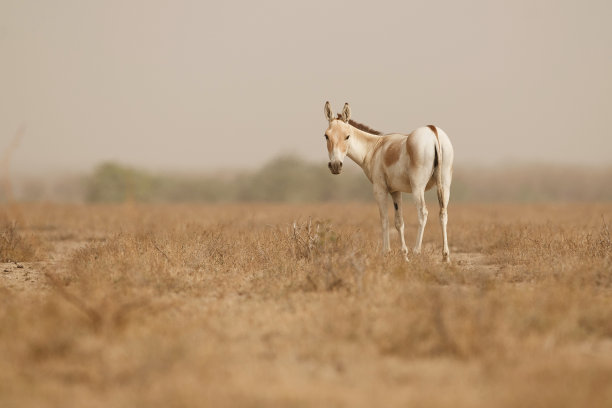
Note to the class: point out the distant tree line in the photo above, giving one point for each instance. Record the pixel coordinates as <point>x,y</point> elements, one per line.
<point>292,179</point>
<point>287,178</point>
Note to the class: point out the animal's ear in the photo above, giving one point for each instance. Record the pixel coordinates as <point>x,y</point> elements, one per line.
<point>346,113</point>
<point>329,115</point>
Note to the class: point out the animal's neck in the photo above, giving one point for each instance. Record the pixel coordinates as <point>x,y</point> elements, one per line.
<point>362,143</point>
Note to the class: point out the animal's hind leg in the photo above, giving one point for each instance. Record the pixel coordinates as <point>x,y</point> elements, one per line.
<point>419,195</point>
<point>399,219</point>
<point>443,197</point>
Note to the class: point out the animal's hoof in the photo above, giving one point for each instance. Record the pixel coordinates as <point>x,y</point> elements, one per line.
<point>416,251</point>
<point>446,258</point>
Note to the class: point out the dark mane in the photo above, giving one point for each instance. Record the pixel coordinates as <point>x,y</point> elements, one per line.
<point>361,126</point>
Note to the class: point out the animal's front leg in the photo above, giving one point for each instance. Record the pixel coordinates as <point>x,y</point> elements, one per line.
<point>381,195</point>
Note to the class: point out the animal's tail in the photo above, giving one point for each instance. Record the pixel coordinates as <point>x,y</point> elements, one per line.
<point>438,164</point>
<point>444,174</point>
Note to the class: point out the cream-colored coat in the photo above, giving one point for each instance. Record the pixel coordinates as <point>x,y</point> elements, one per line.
<point>395,163</point>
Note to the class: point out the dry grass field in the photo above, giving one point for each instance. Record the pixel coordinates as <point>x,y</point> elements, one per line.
<point>292,305</point>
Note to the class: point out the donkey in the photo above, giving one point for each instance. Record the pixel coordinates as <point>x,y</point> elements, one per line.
<point>395,163</point>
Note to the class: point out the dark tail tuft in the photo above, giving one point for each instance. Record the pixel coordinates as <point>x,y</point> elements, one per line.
<point>436,159</point>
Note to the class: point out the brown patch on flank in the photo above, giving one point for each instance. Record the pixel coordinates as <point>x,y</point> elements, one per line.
<point>361,126</point>
<point>392,153</point>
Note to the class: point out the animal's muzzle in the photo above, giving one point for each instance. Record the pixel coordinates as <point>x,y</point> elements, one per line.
<point>335,166</point>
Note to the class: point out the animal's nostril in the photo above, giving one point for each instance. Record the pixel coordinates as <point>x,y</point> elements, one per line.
<point>340,164</point>
<point>329,165</point>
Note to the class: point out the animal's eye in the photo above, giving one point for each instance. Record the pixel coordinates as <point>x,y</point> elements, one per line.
<point>326,137</point>
<point>347,137</point>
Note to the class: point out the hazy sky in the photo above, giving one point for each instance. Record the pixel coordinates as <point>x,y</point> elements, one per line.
<point>203,85</point>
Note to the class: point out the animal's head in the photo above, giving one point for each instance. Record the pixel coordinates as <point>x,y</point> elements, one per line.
<point>337,136</point>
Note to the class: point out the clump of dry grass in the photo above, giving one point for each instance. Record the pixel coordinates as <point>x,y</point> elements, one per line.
<point>294,305</point>
<point>15,246</point>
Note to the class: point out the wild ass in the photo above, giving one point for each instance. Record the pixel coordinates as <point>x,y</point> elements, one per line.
<point>395,163</point>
